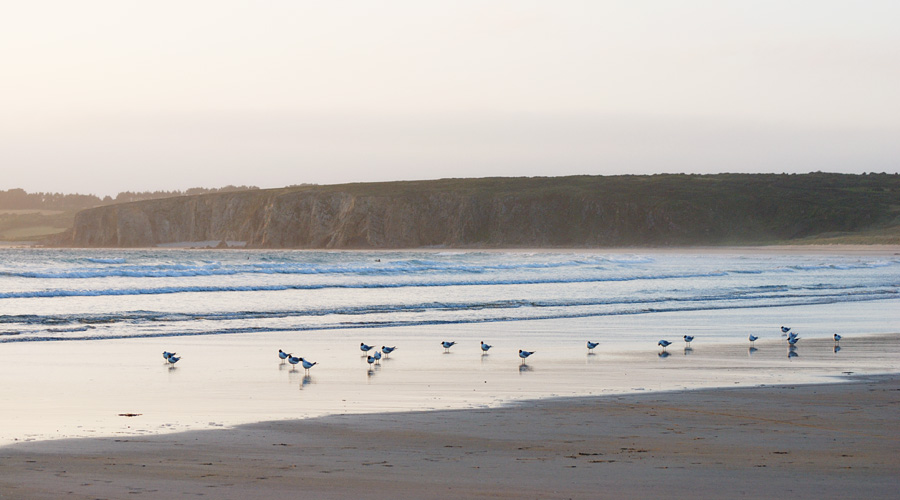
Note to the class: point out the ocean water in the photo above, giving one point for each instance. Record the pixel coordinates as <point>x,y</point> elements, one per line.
<point>58,295</point>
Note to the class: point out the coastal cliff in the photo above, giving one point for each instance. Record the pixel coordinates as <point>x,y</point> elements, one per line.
<point>582,211</point>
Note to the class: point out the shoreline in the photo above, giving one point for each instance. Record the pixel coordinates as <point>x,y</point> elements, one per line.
<point>780,248</point>
<point>631,420</point>
<point>236,380</point>
<point>841,438</point>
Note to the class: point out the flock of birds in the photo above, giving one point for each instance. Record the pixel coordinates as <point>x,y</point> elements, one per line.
<point>294,360</point>
<point>792,339</point>
<point>375,358</point>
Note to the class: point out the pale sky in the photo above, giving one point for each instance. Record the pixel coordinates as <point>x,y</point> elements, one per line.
<point>107,96</point>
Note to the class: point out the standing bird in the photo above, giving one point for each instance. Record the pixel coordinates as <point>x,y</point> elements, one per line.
<point>167,355</point>
<point>283,355</point>
<point>485,347</point>
<point>837,338</point>
<point>688,338</point>
<point>785,329</point>
<point>307,364</point>
<point>664,344</point>
<point>387,350</point>
<point>524,354</point>
<point>793,341</point>
<point>370,360</point>
<point>447,345</point>
<point>173,359</point>
<point>592,345</point>
<point>377,357</point>
<point>364,348</point>
<point>753,338</point>
<point>294,360</point>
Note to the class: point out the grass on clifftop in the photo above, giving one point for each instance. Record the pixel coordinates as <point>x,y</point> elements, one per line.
<point>28,225</point>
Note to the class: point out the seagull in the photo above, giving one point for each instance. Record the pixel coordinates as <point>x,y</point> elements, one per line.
<point>524,354</point>
<point>364,348</point>
<point>688,338</point>
<point>592,345</point>
<point>793,340</point>
<point>307,364</point>
<point>387,350</point>
<point>167,355</point>
<point>837,338</point>
<point>785,329</point>
<point>377,357</point>
<point>753,338</point>
<point>370,360</point>
<point>485,347</point>
<point>447,345</point>
<point>294,360</point>
<point>792,335</point>
<point>173,358</point>
<point>664,344</point>
<point>283,355</point>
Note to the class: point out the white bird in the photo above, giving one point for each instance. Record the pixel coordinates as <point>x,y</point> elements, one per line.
<point>793,340</point>
<point>837,338</point>
<point>664,344</point>
<point>485,347</point>
<point>307,364</point>
<point>592,345</point>
<point>364,348</point>
<point>283,355</point>
<point>173,358</point>
<point>792,335</point>
<point>447,345</point>
<point>387,350</point>
<point>377,357</point>
<point>524,354</point>
<point>785,329</point>
<point>688,338</point>
<point>167,355</point>
<point>753,338</point>
<point>370,360</point>
<point>293,360</point>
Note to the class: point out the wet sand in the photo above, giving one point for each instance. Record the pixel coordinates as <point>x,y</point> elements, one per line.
<point>58,390</point>
<point>798,441</point>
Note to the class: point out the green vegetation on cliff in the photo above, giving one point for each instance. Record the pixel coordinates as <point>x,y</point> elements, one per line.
<point>578,211</point>
<point>28,216</point>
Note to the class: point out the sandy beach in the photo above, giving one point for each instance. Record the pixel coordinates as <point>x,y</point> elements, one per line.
<point>107,417</point>
<point>797,441</point>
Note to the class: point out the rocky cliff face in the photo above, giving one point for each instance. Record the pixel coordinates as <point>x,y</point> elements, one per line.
<point>512,213</point>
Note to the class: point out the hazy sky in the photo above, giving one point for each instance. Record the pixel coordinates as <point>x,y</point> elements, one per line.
<point>105,96</point>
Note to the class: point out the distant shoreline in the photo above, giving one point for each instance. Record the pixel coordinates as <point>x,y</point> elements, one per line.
<point>824,249</point>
